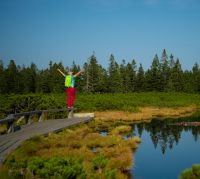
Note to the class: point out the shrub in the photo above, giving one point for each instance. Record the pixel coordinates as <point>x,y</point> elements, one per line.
<point>196,170</point>
<point>99,162</point>
<point>186,174</point>
<point>56,167</point>
<point>191,173</point>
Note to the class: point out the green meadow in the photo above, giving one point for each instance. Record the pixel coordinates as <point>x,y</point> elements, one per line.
<point>96,102</point>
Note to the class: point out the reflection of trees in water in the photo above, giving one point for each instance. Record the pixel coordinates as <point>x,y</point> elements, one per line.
<point>165,134</point>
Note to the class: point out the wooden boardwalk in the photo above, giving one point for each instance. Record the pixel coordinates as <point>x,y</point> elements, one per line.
<point>9,142</point>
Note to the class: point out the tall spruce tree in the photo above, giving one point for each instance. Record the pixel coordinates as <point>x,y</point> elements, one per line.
<point>171,66</point>
<point>176,77</point>
<point>76,69</point>
<point>31,78</point>
<point>188,85</point>
<point>131,73</point>
<point>196,77</point>
<point>154,76</point>
<point>124,77</point>
<point>56,81</point>
<point>93,75</point>
<point>12,77</point>
<point>140,82</point>
<point>164,71</point>
<point>3,84</point>
<point>114,77</point>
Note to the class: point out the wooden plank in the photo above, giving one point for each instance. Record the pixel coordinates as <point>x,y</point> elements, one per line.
<point>8,145</point>
<point>9,142</point>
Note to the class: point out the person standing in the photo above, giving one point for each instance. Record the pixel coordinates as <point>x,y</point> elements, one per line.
<point>70,87</point>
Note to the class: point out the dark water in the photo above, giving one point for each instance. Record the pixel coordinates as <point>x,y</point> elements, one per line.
<point>166,149</point>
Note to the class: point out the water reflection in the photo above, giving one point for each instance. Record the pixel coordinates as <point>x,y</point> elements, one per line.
<point>165,133</point>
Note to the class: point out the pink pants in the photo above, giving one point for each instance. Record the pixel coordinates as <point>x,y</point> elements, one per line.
<point>70,96</point>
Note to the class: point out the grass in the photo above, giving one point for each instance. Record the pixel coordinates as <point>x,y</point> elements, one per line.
<point>101,156</point>
<point>146,113</point>
<point>120,105</point>
<point>120,130</point>
<point>3,129</point>
<point>131,101</point>
<point>96,102</point>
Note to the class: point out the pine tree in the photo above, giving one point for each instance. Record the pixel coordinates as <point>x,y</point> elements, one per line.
<point>84,83</point>
<point>3,84</point>
<point>196,77</point>
<point>32,78</point>
<point>114,77</point>
<point>56,81</point>
<point>154,76</point>
<point>171,66</point>
<point>93,75</point>
<point>124,77</point>
<point>43,81</point>
<point>164,71</point>
<point>12,78</point>
<point>188,85</point>
<point>76,69</point>
<point>176,77</point>
<point>131,73</point>
<point>140,83</point>
<point>171,62</point>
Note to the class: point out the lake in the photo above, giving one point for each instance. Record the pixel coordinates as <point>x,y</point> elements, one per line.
<point>166,149</point>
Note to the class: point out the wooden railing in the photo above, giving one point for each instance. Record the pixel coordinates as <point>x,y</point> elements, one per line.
<point>12,118</point>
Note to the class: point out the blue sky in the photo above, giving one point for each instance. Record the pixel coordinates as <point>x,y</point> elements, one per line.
<point>70,30</point>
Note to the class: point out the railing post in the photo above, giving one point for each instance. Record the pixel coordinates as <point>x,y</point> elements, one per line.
<point>71,114</point>
<point>27,119</point>
<point>40,116</point>
<point>10,127</point>
<point>10,123</point>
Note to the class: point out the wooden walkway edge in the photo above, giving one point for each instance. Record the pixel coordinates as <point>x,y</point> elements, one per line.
<point>9,142</point>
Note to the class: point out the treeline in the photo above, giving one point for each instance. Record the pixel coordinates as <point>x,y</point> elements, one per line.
<point>164,75</point>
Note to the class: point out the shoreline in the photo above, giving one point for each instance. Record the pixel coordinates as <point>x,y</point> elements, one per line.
<point>146,114</point>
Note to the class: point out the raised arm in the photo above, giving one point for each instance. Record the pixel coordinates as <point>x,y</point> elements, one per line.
<point>61,72</point>
<point>77,74</point>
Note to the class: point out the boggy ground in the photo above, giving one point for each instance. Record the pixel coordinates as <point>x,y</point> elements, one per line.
<point>83,151</point>
<point>146,113</point>
<point>86,152</point>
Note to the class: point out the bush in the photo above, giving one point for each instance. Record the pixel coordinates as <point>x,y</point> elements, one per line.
<point>55,167</point>
<point>99,162</point>
<point>191,173</point>
<point>186,174</point>
<point>196,170</point>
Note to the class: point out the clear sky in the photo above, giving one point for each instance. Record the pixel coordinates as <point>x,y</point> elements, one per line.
<point>65,30</point>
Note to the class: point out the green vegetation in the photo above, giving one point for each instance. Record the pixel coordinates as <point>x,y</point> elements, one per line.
<point>120,130</point>
<point>96,102</point>
<point>191,173</point>
<point>40,167</point>
<point>164,75</point>
<point>77,152</point>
